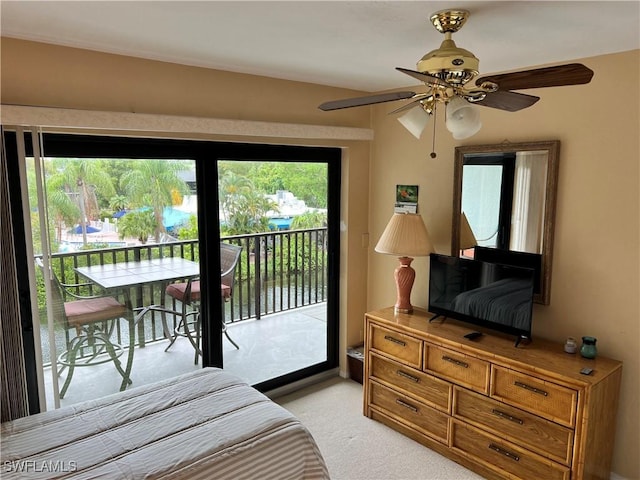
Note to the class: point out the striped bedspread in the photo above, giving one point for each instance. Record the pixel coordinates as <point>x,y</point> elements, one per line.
<point>205,424</point>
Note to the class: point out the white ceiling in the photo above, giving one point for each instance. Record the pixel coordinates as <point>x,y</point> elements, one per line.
<point>352,44</point>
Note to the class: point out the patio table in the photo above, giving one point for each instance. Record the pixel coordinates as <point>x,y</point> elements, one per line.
<point>125,276</point>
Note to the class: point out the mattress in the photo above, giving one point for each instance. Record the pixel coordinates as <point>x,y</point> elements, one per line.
<point>204,424</point>
<point>506,301</point>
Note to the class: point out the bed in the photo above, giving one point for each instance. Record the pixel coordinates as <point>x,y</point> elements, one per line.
<point>204,424</point>
<point>506,301</point>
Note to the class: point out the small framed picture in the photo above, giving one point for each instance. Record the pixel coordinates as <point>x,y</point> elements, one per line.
<point>406,199</point>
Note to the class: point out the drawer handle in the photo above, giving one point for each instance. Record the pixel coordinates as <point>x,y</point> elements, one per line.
<point>530,388</point>
<point>408,375</point>
<point>406,405</point>
<point>506,416</point>
<point>504,452</point>
<point>454,361</point>
<point>395,340</point>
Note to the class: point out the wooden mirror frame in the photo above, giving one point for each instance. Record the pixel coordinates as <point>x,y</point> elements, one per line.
<point>553,149</point>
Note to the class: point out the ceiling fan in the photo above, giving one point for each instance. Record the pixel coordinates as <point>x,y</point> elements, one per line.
<point>451,73</point>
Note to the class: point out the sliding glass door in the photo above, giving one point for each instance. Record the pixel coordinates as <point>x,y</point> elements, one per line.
<point>99,205</point>
<point>276,313</point>
<point>89,215</point>
<point>487,198</point>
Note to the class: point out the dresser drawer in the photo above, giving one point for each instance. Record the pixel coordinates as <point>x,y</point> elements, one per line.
<point>403,348</point>
<point>427,420</point>
<point>504,457</point>
<point>531,431</point>
<point>538,396</point>
<point>462,369</point>
<point>427,389</point>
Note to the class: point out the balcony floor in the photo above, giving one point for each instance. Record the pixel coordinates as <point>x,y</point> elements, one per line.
<point>269,347</point>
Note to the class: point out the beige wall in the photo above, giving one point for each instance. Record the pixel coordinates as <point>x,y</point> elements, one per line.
<point>595,286</point>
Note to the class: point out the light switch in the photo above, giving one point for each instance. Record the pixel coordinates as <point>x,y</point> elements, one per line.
<point>365,240</point>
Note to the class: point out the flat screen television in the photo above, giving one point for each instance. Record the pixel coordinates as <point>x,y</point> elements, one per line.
<point>490,295</point>
<point>511,257</point>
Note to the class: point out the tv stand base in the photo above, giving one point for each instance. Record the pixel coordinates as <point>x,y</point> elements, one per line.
<point>524,339</point>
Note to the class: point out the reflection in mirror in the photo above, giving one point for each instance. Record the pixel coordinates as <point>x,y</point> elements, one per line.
<point>504,198</point>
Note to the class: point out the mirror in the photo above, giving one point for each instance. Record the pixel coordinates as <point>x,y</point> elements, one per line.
<point>504,197</point>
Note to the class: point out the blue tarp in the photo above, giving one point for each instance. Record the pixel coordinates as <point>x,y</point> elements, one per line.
<point>280,223</point>
<point>90,229</point>
<point>172,218</point>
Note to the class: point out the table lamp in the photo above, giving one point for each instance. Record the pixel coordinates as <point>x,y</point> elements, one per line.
<point>406,236</point>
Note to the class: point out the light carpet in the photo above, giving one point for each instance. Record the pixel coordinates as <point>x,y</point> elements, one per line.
<point>356,447</point>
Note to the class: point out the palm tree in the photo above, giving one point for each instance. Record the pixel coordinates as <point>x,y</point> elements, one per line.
<point>244,208</point>
<point>231,190</point>
<point>61,208</point>
<point>118,203</point>
<point>257,205</point>
<point>150,184</point>
<point>80,180</point>
<point>139,224</point>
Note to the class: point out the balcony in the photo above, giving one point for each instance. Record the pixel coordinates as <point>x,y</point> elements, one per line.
<point>277,313</point>
<point>274,345</point>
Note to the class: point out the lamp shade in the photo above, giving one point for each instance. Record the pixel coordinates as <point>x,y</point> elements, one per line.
<point>415,120</point>
<point>467,238</point>
<point>463,118</point>
<point>405,235</point>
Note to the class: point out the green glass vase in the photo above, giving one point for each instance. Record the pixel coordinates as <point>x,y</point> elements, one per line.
<point>588,348</point>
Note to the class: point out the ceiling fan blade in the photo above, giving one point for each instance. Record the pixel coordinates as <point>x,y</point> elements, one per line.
<point>509,101</point>
<point>570,74</point>
<point>423,77</point>
<point>369,100</point>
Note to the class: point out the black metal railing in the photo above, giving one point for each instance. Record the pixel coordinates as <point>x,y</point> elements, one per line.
<point>277,271</point>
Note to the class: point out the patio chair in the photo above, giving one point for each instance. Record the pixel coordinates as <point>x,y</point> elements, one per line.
<point>188,294</point>
<point>93,319</point>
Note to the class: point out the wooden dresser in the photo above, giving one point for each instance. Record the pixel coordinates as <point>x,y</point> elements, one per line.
<point>501,411</point>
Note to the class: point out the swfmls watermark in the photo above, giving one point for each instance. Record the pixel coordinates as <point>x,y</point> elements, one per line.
<point>39,466</point>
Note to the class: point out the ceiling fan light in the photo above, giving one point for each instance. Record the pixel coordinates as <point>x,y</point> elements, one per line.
<point>463,133</point>
<point>462,118</point>
<point>415,120</point>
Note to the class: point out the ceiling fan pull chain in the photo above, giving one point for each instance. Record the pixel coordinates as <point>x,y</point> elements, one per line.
<point>433,141</point>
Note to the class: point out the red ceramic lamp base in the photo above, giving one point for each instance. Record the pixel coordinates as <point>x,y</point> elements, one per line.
<point>404,275</point>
